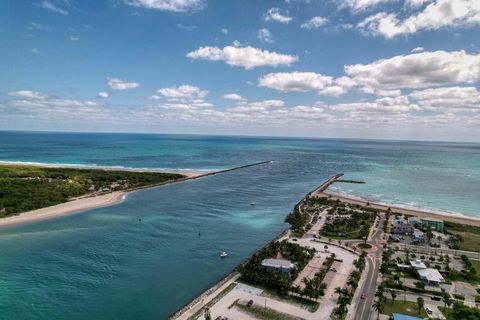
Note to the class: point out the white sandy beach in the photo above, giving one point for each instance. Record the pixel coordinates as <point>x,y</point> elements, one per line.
<point>66,208</point>
<point>414,212</point>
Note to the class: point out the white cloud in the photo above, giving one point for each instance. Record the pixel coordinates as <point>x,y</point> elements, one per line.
<point>119,84</point>
<point>417,70</point>
<point>34,50</point>
<point>236,43</point>
<point>274,14</point>
<point>39,26</point>
<point>360,5</point>
<point>73,38</point>
<point>246,57</point>
<point>102,95</point>
<point>183,92</point>
<point>417,50</point>
<point>448,98</point>
<point>315,23</point>
<point>295,81</point>
<point>306,81</point>
<point>232,96</point>
<point>265,35</point>
<point>33,99</point>
<point>168,5</point>
<point>441,13</point>
<point>224,30</point>
<point>50,6</point>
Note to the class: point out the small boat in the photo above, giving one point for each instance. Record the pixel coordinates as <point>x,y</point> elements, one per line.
<point>252,204</point>
<point>223,255</point>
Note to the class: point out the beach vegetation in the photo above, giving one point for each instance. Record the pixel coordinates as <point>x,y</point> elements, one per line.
<point>25,188</point>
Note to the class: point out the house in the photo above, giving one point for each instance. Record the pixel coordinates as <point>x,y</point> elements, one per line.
<point>279,265</point>
<point>427,223</point>
<point>401,226</point>
<point>418,235</point>
<point>417,264</point>
<point>399,316</point>
<point>432,276</point>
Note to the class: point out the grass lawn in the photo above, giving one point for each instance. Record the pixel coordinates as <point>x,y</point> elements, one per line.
<point>408,308</point>
<point>471,241</point>
<point>476,265</point>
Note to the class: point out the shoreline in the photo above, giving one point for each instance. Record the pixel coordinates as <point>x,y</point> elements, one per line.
<point>190,173</point>
<point>66,208</point>
<point>456,218</point>
<point>92,201</point>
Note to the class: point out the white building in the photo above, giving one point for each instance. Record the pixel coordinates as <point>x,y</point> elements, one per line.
<point>432,276</point>
<point>417,264</point>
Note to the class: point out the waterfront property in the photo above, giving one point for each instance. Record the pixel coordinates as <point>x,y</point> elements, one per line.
<point>402,226</point>
<point>279,265</point>
<point>427,223</point>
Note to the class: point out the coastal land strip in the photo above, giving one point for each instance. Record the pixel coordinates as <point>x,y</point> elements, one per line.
<point>209,297</point>
<point>92,201</point>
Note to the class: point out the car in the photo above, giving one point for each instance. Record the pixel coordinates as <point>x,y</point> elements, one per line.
<point>436,298</point>
<point>294,239</point>
<point>429,311</point>
<point>249,303</point>
<point>362,296</point>
<point>333,269</point>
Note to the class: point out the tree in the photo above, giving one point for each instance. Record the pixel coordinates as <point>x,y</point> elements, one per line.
<point>420,285</point>
<point>208,316</point>
<point>378,306</point>
<point>393,293</point>
<point>420,303</point>
<point>325,247</point>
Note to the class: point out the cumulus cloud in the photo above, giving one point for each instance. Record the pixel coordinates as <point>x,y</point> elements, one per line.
<point>315,23</point>
<point>119,84</point>
<point>185,92</point>
<point>102,95</point>
<point>274,14</point>
<point>246,57</point>
<point>417,70</point>
<point>306,81</point>
<point>168,5</point>
<point>50,6</point>
<point>449,98</point>
<point>265,35</point>
<point>441,13</point>
<point>295,81</point>
<point>232,96</point>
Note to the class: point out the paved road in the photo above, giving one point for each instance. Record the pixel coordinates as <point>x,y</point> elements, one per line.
<point>372,267</point>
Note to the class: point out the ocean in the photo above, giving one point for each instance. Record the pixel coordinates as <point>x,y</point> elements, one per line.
<point>106,264</point>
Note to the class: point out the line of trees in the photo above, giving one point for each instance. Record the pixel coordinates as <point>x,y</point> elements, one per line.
<point>345,295</point>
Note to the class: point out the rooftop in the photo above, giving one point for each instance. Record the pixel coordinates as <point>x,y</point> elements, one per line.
<point>431,275</point>
<point>277,263</point>
<point>399,316</point>
<point>417,264</point>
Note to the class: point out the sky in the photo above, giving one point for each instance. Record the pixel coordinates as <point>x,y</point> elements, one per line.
<point>382,69</point>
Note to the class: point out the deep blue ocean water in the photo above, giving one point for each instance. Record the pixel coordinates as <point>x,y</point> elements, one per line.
<point>106,264</point>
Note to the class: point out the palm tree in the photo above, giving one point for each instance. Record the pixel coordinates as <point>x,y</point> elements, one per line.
<point>420,303</point>
<point>378,306</point>
<point>393,293</point>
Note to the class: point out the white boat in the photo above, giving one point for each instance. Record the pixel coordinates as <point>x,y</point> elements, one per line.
<point>223,255</point>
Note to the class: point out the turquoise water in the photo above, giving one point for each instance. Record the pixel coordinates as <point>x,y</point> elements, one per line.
<point>106,264</point>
